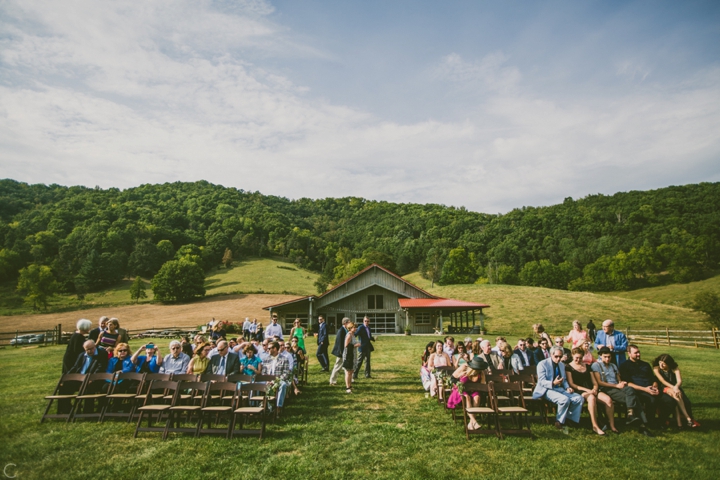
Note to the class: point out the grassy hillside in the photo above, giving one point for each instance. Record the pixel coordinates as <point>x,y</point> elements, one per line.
<point>678,294</point>
<point>264,275</point>
<point>513,309</point>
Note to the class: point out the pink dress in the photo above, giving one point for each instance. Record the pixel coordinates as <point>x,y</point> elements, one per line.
<point>455,398</point>
<point>578,338</point>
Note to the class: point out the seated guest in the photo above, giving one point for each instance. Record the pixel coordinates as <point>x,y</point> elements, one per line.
<point>176,361</point>
<point>494,362</point>
<point>541,353</point>
<point>541,333</point>
<point>225,362</point>
<point>438,359</point>
<point>232,343</point>
<point>511,363</point>
<point>75,344</point>
<point>552,385</point>
<point>109,338</point>
<point>641,378</point>
<point>449,346</point>
<point>608,378</point>
<point>251,364</point>
<point>668,374</point>
<point>588,358</point>
<point>187,347</point>
<point>474,371</point>
<point>530,345</point>
<point>567,355</point>
<point>581,379</point>
<point>121,362</point>
<point>200,361</point>
<point>461,357</point>
<point>264,352</point>
<point>94,359</point>
<point>278,366</point>
<point>614,340</point>
<point>525,356</point>
<point>496,348</point>
<point>150,362</point>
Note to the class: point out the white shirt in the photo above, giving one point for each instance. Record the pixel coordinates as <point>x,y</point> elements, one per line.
<point>448,350</point>
<point>274,330</point>
<point>247,324</point>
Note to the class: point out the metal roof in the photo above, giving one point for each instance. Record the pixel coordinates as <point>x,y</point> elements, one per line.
<point>289,302</point>
<point>375,265</point>
<point>438,303</point>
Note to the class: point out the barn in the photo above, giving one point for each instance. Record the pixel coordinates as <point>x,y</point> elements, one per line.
<point>389,301</point>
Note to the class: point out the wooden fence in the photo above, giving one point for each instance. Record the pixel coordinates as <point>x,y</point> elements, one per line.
<point>24,338</point>
<point>675,338</point>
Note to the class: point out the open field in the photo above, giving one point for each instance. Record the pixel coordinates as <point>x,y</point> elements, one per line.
<point>261,275</point>
<point>516,309</point>
<point>386,429</point>
<point>678,294</point>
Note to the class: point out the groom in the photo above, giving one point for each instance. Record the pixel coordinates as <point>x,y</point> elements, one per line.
<point>338,350</point>
<point>364,335</point>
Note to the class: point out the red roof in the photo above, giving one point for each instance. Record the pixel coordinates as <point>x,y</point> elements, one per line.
<point>437,303</point>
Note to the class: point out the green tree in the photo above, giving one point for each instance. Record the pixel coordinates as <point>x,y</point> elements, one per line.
<point>227,258</point>
<point>709,304</point>
<point>38,284</point>
<point>458,268</point>
<point>431,267</point>
<point>137,289</point>
<point>146,259</point>
<point>179,280</point>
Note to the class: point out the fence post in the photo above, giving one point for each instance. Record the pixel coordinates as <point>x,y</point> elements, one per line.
<point>715,337</point>
<point>667,333</point>
<point>17,333</point>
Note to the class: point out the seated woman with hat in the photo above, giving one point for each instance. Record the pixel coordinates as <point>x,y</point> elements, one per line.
<point>473,371</point>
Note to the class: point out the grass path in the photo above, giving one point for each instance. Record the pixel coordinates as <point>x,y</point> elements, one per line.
<point>385,429</point>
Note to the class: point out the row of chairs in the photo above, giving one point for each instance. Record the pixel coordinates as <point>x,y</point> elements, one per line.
<point>105,395</point>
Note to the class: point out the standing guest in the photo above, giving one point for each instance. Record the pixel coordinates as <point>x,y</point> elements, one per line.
<point>540,332</point>
<point>225,362</point>
<point>494,361</point>
<point>251,364</point>
<point>75,345</point>
<point>471,372</point>
<point>338,350</point>
<point>176,361</point>
<point>187,348</point>
<point>577,335</point>
<point>298,332</point>
<point>610,382</point>
<point>365,338</point>
<point>95,332</point>
<point>567,355</point>
<point>200,361</point>
<point>109,338</point>
<point>150,362</point>
<point>668,374</point>
<point>449,346</point>
<point>349,355</point>
<point>592,330</point>
<point>542,352</point>
<point>525,356</point>
<point>274,330</point>
<point>253,329</point>
<point>552,385</point>
<point>247,325</point>
<point>613,339</point>
<point>581,379</point>
<point>640,377</point>
<point>259,332</point>
<point>123,336</point>
<point>218,331</point>
<point>462,357</point>
<point>322,345</point>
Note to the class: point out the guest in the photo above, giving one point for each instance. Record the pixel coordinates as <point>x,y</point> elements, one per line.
<point>552,385</point>
<point>322,345</point>
<point>274,329</point>
<point>109,338</point>
<point>246,329</point>
<point>613,339</point>
<point>75,345</point>
<point>494,361</point>
<point>449,346</point>
<point>540,332</point>
<point>425,374</point>
<point>218,331</point>
<point>259,335</point>
<point>121,361</point>
<point>251,364</point>
<point>608,378</point>
<point>592,330</point>
<point>525,356</point>
<point>94,359</point>
<point>339,350</point>
<point>567,355</point>
<point>581,379</point>
<point>224,362</point>
<point>438,359</point>
<point>474,371</point>
<point>278,365</point>
<point>668,374</point>
<point>511,363</point>
<point>123,336</point>
<point>588,358</point>
<point>530,344</point>
<point>253,329</point>
<point>462,357</point>
<point>349,355</point>
<point>541,353</point>
<point>496,348</point>
<point>176,361</point>
<point>429,350</point>
<point>150,362</point>
<point>95,332</point>
<point>187,348</point>
<point>200,361</point>
<point>298,332</point>
<point>577,335</point>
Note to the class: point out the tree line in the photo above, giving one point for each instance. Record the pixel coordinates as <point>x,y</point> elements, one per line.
<point>84,239</point>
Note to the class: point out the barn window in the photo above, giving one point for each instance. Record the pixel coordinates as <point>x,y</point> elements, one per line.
<point>375,302</point>
<point>422,318</point>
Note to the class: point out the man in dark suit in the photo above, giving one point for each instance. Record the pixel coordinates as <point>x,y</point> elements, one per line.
<point>95,332</point>
<point>541,353</point>
<point>322,345</point>
<point>93,360</point>
<point>338,350</point>
<point>526,357</point>
<point>225,362</point>
<point>366,347</point>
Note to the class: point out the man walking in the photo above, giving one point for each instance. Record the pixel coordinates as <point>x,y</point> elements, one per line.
<point>338,350</point>
<point>322,345</point>
<point>365,337</point>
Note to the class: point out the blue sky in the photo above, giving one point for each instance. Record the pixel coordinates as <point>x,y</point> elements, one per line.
<point>487,105</point>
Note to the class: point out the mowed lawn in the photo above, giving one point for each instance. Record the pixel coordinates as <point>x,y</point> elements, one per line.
<point>386,429</point>
<point>678,294</point>
<point>261,275</point>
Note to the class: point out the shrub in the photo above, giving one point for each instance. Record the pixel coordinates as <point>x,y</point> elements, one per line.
<point>179,280</point>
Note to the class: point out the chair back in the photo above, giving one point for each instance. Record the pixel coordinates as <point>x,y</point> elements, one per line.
<point>184,377</point>
<point>239,377</point>
<point>212,377</point>
<point>168,389</point>
<point>265,378</point>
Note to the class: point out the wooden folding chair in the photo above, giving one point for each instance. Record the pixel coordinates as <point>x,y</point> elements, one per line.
<point>516,409</point>
<point>260,396</point>
<point>184,377</point>
<point>264,378</point>
<point>176,411</point>
<point>442,391</point>
<point>124,389</point>
<point>212,377</point>
<point>157,405</point>
<point>537,407</point>
<point>245,411</point>
<point>239,377</point>
<point>219,401</point>
<point>92,395</point>
<point>488,410</point>
<point>66,391</point>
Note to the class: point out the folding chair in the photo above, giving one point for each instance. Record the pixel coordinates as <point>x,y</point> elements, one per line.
<point>442,392</point>
<point>219,400</point>
<point>66,391</point>
<point>184,377</point>
<point>93,392</point>
<point>156,405</point>
<point>123,391</point>
<point>245,411</point>
<point>260,396</point>
<point>516,409</point>
<point>145,391</point>
<point>539,405</point>
<point>488,411</point>
<point>239,377</point>
<point>177,410</point>
<point>212,377</point>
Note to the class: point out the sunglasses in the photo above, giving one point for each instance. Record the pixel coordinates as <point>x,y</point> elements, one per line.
<point>123,350</point>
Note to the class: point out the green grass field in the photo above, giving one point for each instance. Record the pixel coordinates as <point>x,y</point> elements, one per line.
<point>677,294</point>
<point>386,429</point>
<point>515,309</point>
<point>261,275</point>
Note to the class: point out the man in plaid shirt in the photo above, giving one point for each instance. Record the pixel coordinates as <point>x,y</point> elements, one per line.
<point>280,367</point>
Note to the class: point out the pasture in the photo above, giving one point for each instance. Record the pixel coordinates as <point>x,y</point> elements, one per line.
<point>386,429</point>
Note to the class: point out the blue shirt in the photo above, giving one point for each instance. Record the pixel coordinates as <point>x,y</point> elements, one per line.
<point>152,365</point>
<point>254,361</point>
<point>127,365</point>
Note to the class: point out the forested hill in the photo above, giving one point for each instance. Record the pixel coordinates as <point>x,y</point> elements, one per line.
<point>95,236</point>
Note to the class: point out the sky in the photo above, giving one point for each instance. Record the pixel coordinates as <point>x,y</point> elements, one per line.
<point>482,104</point>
